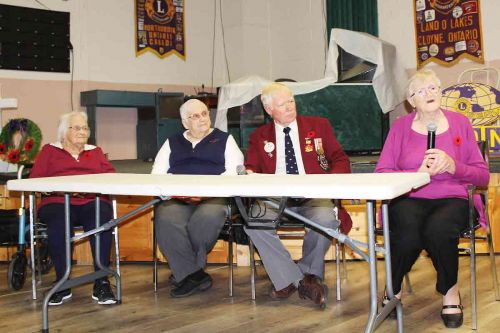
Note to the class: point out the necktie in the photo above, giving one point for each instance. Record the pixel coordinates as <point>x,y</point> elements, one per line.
<point>290,160</point>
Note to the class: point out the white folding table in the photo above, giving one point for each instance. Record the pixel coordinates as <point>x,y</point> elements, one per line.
<point>369,187</point>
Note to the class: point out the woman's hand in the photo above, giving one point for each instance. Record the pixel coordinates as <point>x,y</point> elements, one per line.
<point>437,162</point>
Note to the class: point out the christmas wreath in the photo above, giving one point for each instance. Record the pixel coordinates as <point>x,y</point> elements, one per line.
<point>20,141</point>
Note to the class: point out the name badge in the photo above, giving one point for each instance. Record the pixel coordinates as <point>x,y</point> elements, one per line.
<point>269,148</point>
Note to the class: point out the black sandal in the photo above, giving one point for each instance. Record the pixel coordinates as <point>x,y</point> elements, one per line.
<point>392,314</point>
<point>453,320</point>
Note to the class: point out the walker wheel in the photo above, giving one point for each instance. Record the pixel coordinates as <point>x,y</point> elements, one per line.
<point>17,271</point>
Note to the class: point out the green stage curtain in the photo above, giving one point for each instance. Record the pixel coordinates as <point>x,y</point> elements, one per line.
<point>357,15</point>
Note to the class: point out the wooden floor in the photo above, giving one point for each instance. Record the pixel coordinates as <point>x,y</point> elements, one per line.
<point>213,311</point>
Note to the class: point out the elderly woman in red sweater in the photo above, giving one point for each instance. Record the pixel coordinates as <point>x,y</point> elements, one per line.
<point>71,155</point>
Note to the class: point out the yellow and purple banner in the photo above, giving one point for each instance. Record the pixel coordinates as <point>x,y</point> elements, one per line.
<point>481,104</point>
<point>159,27</point>
<point>447,31</point>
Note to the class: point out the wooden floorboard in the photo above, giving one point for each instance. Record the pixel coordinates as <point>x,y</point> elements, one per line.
<point>143,310</point>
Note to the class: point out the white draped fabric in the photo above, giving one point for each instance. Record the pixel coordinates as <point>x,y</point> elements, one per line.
<point>389,80</point>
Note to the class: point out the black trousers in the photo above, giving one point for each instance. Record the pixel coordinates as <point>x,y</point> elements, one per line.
<point>433,225</point>
<point>84,215</point>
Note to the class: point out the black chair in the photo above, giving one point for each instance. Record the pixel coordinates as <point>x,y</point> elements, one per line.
<point>288,227</point>
<point>470,234</point>
<point>232,231</point>
<point>40,238</point>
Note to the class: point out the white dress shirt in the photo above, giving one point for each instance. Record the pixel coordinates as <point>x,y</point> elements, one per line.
<point>280,148</point>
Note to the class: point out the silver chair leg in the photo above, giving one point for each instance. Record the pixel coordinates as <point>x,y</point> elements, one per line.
<point>252,268</point>
<point>344,264</point>
<point>230,262</point>
<point>32,240</point>
<point>337,266</point>
<point>155,260</point>
<point>493,265</point>
<point>116,238</point>
<point>473,282</point>
<point>472,242</point>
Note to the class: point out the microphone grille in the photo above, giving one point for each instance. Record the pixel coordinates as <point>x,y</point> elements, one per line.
<point>240,169</point>
<point>432,127</point>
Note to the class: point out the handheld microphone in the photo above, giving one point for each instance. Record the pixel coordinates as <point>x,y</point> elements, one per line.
<point>241,170</point>
<point>431,136</point>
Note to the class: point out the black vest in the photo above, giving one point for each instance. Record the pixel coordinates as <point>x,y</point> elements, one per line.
<point>207,158</point>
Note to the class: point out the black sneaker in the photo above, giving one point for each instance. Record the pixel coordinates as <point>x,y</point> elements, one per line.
<point>197,281</point>
<point>173,281</point>
<point>59,297</point>
<point>103,293</point>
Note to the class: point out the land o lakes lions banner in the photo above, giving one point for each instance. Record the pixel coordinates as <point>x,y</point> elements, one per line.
<point>160,27</point>
<point>447,31</point>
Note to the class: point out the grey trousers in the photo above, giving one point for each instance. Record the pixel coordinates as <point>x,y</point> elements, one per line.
<point>280,267</point>
<point>186,232</point>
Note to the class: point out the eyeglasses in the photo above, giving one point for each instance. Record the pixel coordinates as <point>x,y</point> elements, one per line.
<point>80,128</point>
<point>432,89</point>
<point>198,116</point>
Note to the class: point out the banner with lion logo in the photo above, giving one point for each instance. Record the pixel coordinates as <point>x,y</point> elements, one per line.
<point>159,27</point>
<point>447,31</point>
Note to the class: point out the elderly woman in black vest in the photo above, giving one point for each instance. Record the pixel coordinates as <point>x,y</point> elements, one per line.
<point>187,228</point>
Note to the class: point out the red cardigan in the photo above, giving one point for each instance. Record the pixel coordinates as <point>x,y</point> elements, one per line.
<point>54,161</point>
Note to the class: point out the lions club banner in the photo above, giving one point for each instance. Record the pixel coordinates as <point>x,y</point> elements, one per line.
<point>447,31</point>
<point>160,27</point>
<point>481,104</point>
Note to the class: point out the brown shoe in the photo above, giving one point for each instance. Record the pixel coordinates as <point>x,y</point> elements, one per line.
<point>283,293</point>
<point>311,287</point>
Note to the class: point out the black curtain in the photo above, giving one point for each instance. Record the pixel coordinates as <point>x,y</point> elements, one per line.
<point>357,15</point>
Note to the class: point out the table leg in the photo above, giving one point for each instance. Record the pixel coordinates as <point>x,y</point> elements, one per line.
<point>55,288</point>
<point>388,268</point>
<point>32,243</point>
<point>372,262</point>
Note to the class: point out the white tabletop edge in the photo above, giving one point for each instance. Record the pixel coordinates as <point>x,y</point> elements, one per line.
<point>340,186</point>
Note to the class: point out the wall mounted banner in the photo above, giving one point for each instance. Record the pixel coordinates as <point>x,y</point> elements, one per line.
<point>447,31</point>
<point>159,27</point>
<point>481,104</point>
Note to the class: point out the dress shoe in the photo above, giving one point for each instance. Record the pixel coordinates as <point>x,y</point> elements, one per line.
<point>197,281</point>
<point>283,293</point>
<point>392,314</point>
<point>311,287</point>
<point>453,320</point>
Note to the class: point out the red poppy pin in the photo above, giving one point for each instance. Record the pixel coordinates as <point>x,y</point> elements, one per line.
<point>2,148</point>
<point>457,141</point>
<point>311,134</point>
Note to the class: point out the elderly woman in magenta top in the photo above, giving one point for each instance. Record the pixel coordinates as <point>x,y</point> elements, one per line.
<point>71,155</point>
<point>187,228</point>
<point>432,217</point>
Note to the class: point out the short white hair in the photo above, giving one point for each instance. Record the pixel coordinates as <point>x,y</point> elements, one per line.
<point>65,120</point>
<point>420,76</point>
<point>189,105</point>
<point>268,92</point>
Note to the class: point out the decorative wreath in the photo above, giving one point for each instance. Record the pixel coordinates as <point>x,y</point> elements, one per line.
<point>20,141</point>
